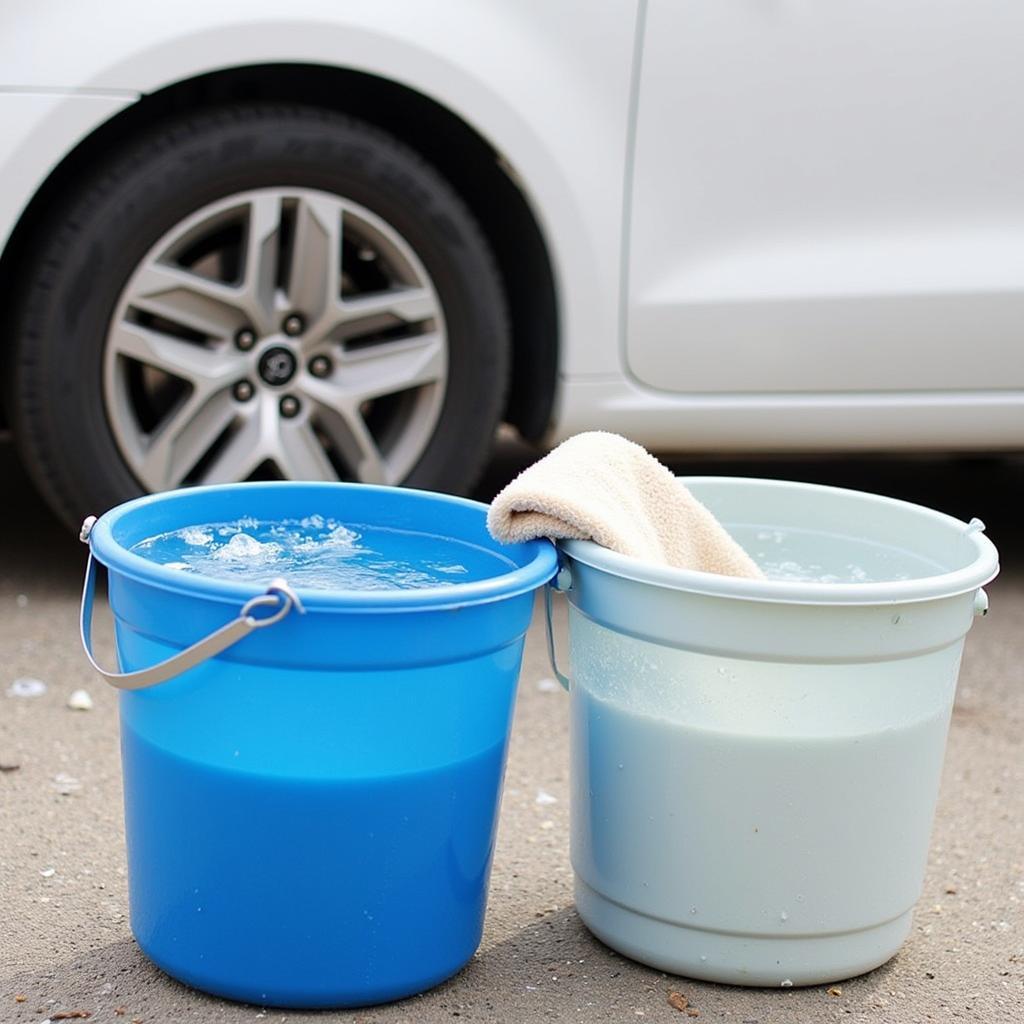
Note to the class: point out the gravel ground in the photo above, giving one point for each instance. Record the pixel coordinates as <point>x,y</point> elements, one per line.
<point>65,943</point>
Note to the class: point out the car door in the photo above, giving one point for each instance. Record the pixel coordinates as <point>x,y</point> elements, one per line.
<point>828,197</point>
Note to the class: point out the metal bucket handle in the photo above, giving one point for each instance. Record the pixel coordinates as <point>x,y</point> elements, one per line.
<point>277,595</point>
<point>561,583</point>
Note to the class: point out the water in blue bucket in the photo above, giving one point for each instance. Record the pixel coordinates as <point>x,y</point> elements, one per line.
<point>310,815</point>
<point>322,552</point>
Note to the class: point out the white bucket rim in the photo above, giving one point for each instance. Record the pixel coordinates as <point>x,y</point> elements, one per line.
<point>970,578</point>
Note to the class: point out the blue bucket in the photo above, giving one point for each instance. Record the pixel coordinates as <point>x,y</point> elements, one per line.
<point>310,812</point>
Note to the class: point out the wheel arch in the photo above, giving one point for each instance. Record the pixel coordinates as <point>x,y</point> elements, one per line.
<point>472,166</point>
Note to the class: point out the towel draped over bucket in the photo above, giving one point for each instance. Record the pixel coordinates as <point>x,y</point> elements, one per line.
<point>601,487</point>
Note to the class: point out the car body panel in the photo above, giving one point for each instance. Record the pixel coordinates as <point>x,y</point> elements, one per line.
<point>828,197</point>
<point>768,312</point>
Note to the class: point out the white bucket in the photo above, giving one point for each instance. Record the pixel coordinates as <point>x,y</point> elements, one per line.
<point>755,764</point>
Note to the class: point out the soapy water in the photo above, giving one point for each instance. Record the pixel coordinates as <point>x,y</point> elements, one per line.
<point>321,553</point>
<point>809,556</point>
<point>751,798</point>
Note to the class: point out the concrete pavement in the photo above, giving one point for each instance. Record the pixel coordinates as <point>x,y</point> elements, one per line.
<point>65,943</point>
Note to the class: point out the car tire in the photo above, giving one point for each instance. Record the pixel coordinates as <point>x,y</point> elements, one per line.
<point>80,387</point>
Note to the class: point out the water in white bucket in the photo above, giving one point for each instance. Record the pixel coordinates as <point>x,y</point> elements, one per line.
<point>820,557</point>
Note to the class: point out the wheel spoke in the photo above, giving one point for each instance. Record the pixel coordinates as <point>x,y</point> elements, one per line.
<point>347,429</point>
<point>393,366</point>
<point>184,436</point>
<point>211,308</point>
<point>354,318</point>
<point>244,450</point>
<point>300,455</point>
<point>260,264</point>
<point>205,369</point>
<point>314,277</point>
<point>385,309</point>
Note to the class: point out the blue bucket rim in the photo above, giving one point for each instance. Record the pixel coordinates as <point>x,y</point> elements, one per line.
<point>980,572</point>
<point>540,566</point>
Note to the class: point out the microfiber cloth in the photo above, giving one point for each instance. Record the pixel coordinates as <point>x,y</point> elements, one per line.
<point>601,487</point>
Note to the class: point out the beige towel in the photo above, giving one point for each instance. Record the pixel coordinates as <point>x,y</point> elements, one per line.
<point>601,487</point>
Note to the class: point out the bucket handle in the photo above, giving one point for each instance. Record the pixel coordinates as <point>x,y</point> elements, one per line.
<point>561,583</point>
<point>278,595</point>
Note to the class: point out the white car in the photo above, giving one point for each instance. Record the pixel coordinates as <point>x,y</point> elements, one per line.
<point>329,239</point>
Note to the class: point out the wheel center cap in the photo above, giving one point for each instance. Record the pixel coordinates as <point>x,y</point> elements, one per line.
<point>277,365</point>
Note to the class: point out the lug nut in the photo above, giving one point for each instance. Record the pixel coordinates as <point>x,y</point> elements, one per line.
<point>293,324</point>
<point>290,406</point>
<point>243,391</point>
<point>320,366</point>
<point>245,339</point>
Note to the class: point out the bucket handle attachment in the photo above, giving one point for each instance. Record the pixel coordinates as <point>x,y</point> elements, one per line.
<point>278,595</point>
<point>562,582</point>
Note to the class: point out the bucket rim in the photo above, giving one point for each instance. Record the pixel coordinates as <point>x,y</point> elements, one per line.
<point>540,564</point>
<point>981,571</point>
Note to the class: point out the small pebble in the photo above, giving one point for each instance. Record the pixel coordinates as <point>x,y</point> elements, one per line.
<point>786,983</point>
<point>548,685</point>
<point>48,872</point>
<point>80,701</point>
<point>677,1000</point>
<point>544,798</point>
<point>835,990</point>
<point>26,687</point>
